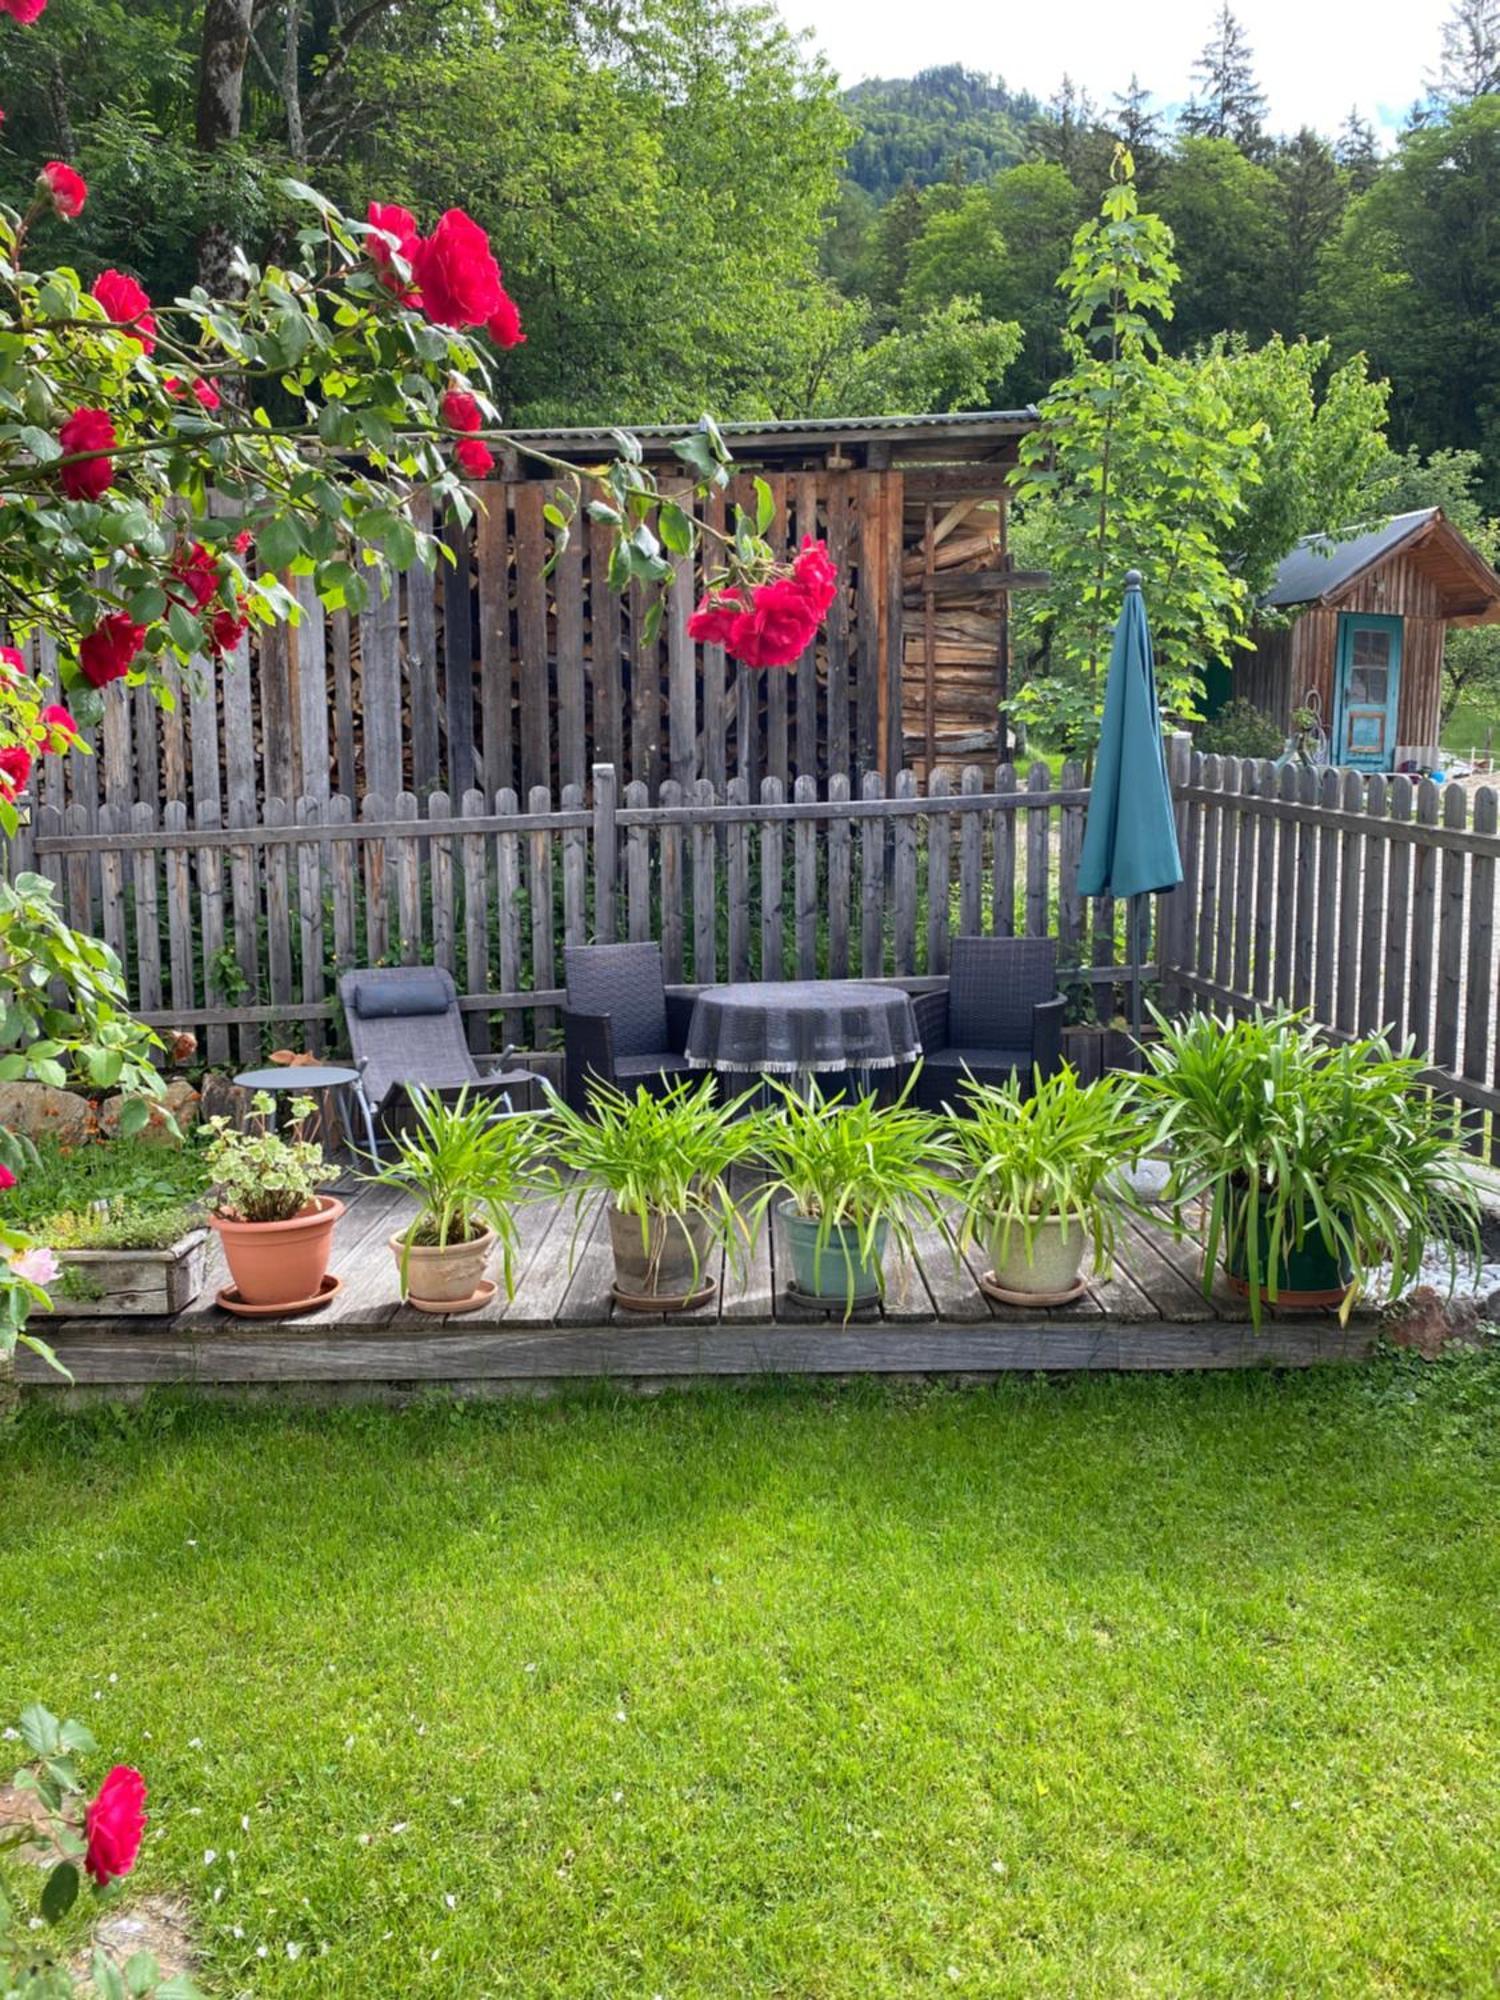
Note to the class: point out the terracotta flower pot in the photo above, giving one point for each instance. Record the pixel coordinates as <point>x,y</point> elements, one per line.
<point>442,1274</point>
<point>280,1263</point>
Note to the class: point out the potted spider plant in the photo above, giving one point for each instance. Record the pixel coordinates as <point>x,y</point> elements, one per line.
<point>848,1178</point>
<point>663,1162</point>
<point>275,1225</point>
<point>470,1170</point>
<point>1312,1164</point>
<point>1038,1180</point>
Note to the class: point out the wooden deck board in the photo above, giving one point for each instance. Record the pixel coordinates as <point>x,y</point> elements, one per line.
<point>563,1323</point>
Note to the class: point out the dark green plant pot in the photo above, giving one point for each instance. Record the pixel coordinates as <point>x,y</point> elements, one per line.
<point>838,1273</point>
<point>1310,1275</point>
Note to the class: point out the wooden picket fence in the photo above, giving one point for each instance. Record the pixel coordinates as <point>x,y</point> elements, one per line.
<point>1368,899</point>
<point>241,931</point>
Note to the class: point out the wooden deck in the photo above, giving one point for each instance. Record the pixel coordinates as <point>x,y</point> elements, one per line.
<point>563,1324</point>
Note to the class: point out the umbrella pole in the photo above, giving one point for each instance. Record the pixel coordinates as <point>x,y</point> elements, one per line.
<point>1137,946</point>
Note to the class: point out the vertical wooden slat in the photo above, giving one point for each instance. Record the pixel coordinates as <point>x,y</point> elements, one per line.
<point>343,856</point>
<point>575,871</point>
<point>531,636</point>
<point>508,906</point>
<point>892,625</point>
<point>379,704</point>
<point>1268,782</point>
<point>458,655</point>
<point>805,875</point>
<point>606,852</point>
<point>904,882</point>
<point>804,488</point>
<point>345,747</point>
<point>840,865</point>
<point>1480,996</point>
<point>112,905</point>
<point>1353,890</point>
<point>1205,893</point>
<point>1069,853</point>
<point>870,552</point>
<point>718,698</point>
<point>1038,854</point>
<point>645,694</point>
<point>572,715</point>
<point>179,906</point>
<point>605,654</point>
<point>1453,871</point>
<point>143,869</point>
<point>80,820</point>
<point>475,864</point>
<point>671,886</point>
<point>310,912</point>
<point>173,738</point>
<point>1229,859</point>
<point>772,853</point>
<point>638,865</point>
<point>1372,913</point>
<point>440,869</point>
<point>1004,894</point>
<point>208,862</point>
<point>1286,946</point>
<point>705,896</point>
<point>778,680</point>
<point>1398,905</point>
<point>277,862</point>
<point>1245,887</point>
<point>1321,940</point>
<point>278,713</point>
<point>421,590</point>
<point>737,868</point>
<point>837,626</point>
<point>373,856</point>
<point>1304,930</point>
<point>939,872</point>
<point>244,891</point>
<point>543,949</point>
<point>408,862</point>
<point>1424,911</point>
<point>307,643</point>
<point>872,844</point>
<point>496,670</point>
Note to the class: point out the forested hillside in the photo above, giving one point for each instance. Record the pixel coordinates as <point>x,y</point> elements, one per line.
<point>946,124</point>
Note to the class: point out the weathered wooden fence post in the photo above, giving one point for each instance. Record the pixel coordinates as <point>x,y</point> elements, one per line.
<point>606,836</point>
<point>1174,912</point>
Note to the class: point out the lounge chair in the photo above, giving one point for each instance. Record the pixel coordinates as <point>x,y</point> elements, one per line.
<point>999,1016</point>
<point>406,1032</point>
<point>620,1024</point>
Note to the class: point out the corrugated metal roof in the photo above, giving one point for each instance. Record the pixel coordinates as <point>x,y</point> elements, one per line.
<point>955,425</point>
<point>1320,564</point>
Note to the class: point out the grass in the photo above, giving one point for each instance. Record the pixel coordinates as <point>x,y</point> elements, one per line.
<point>1168,1687</point>
<point>140,1182</point>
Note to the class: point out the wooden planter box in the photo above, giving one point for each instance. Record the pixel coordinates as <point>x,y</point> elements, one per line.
<point>111,1284</point>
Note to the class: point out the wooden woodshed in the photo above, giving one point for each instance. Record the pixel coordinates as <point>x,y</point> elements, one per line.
<point>1364,645</point>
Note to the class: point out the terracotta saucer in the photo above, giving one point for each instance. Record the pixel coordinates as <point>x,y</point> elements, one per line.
<point>683,1302</point>
<point>998,1292</point>
<point>231,1301</point>
<point>447,1307</point>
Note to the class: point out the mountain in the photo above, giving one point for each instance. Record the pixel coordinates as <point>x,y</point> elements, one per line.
<point>948,123</point>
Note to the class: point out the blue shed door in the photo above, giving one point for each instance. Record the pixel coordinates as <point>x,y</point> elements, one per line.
<point>1367,691</point>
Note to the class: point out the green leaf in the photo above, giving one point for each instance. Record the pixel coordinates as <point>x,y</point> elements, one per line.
<point>77,1736</point>
<point>765,506</point>
<point>106,1976</point>
<point>135,1114</point>
<point>676,528</point>
<point>41,1730</point>
<point>142,1973</point>
<point>60,1891</point>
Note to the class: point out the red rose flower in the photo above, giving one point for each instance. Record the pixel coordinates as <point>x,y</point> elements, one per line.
<point>398,238</point>
<point>504,323</point>
<point>778,628</point>
<point>244,541</point>
<point>15,769</point>
<point>109,650</point>
<point>55,727</point>
<point>712,624</point>
<point>69,191</point>
<point>24,11</point>
<point>197,570</point>
<point>114,1824</point>
<point>475,459</point>
<point>457,273</point>
<point>205,392</point>
<point>7,1179</point>
<point>11,663</point>
<point>127,305</point>
<point>460,412</point>
<point>816,573</point>
<point>225,631</point>
<point>87,430</point>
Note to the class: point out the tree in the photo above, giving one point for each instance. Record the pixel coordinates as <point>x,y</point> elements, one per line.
<point>1138,464</point>
<point>950,358</point>
<point>1311,197</point>
<point>1356,152</point>
<point>1230,103</point>
<point>1470,63</point>
<point>1137,127</point>
<point>1222,211</point>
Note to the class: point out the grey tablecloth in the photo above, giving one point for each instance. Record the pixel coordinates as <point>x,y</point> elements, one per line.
<point>786,1026</point>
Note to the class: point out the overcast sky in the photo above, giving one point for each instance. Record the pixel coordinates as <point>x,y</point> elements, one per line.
<point>1315,57</point>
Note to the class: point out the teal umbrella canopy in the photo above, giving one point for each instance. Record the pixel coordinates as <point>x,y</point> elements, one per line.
<point>1130,837</point>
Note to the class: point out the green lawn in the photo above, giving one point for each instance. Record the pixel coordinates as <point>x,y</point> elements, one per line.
<point>1118,1686</point>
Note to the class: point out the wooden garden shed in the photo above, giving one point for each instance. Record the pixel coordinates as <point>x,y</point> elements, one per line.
<point>1359,632</point>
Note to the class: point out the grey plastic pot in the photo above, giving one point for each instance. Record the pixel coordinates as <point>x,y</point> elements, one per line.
<point>675,1261</point>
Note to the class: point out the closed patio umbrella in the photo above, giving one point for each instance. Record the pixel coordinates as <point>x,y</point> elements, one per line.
<point>1130,837</point>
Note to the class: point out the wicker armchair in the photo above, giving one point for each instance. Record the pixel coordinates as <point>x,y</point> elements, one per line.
<point>620,1024</point>
<point>1000,1016</point>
